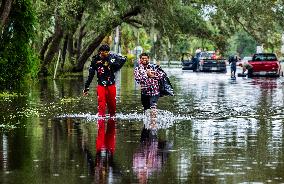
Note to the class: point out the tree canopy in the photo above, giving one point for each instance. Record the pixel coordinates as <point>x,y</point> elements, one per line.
<point>74,29</point>
<point>17,57</point>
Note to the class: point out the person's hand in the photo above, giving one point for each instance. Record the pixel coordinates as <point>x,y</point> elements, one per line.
<point>85,92</point>
<point>123,58</point>
<point>150,73</point>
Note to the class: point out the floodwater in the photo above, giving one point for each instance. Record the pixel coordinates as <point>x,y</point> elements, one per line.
<point>214,130</point>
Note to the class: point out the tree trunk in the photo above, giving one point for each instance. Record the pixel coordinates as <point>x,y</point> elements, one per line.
<point>79,43</point>
<point>4,12</point>
<point>44,48</point>
<point>53,48</point>
<point>70,48</point>
<point>96,42</point>
<point>88,52</point>
<point>64,51</point>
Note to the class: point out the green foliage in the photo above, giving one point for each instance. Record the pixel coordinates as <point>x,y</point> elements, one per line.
<point>130,60</point>
<point>180,26</point>
<point>258,19</point>
<point>17,57</point>
<point>7,95</point>
<point>242,43</point>
<point>128,38</point>
<point>183,44</point>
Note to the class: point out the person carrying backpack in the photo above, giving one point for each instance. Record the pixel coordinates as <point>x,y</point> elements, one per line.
<point>233,62</point>
<point>105,64</point>
<point>148,76</point>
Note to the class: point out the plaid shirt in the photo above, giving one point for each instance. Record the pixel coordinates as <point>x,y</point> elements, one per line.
<point>149,86</point>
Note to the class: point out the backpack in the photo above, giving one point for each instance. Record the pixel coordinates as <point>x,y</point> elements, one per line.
<point>165,86</point>
<point>233,59</point>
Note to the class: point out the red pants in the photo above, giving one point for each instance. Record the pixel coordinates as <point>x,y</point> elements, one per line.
<point>106,140</point>
<point>106,96</point>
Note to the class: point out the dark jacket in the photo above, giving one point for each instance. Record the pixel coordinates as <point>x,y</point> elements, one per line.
<point>105,69</point>
<point>233,60</point>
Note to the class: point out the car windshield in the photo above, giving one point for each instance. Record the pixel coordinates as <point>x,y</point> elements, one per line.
<point>206,54</point>
<point>264,57</point>
<point>247,58</point>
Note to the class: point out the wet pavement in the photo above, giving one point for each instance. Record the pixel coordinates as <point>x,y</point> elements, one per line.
<point>214,130</point>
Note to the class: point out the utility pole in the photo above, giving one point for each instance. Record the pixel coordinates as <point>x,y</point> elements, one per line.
<point>282,45</point>
<point>116,40</point>
<point>170,46</point>
<point>155,40</point>
<point>138,50</point>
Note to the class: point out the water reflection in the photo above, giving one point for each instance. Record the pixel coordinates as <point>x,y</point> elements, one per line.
<point>152,152</point>
<point>101,165</point>
<point>105,147</point>
<point>213,131</point>
<point>4,153</point>
<point>265,83</point>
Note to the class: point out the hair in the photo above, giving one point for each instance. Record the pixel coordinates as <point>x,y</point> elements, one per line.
<point>144,54</point>
<point>104,47</point>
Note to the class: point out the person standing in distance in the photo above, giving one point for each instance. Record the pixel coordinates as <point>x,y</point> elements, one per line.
<point>196,59</point>
<point>105,64</point>
<point>148,76</point>
<point>233,62</point>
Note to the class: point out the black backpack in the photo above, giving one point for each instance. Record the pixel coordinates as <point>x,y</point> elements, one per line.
<point>233,59</point>
<point>165,86</point>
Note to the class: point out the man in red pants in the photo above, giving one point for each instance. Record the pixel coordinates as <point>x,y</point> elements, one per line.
<point>105,148</point>
<point>105,64</point>
<point>106,138</point>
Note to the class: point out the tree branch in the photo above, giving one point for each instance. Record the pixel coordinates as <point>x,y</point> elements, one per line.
<point>245,28</point>
<point>4,12</point>
<point>134,12</point>
<point>134,22</point>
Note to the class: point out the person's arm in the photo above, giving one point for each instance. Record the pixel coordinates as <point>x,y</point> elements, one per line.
<point>244,69</point>
<point>117,61</point>
<point>140,75</point>
<point>92,71</point>
<point>230,59</point>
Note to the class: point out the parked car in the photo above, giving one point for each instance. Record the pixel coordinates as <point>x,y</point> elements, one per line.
<point>265,64</point>
<point>281,61</point>
<point>208,62</point>
<point>187,62</point>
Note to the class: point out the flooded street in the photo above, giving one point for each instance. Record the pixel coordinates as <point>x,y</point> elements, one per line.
<point>214,130</point>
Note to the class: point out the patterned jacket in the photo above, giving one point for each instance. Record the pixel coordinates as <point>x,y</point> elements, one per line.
<point>105,69</point>
<point>149,85</point>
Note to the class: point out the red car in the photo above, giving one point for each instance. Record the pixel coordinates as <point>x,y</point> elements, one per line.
<point>265,64</point>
